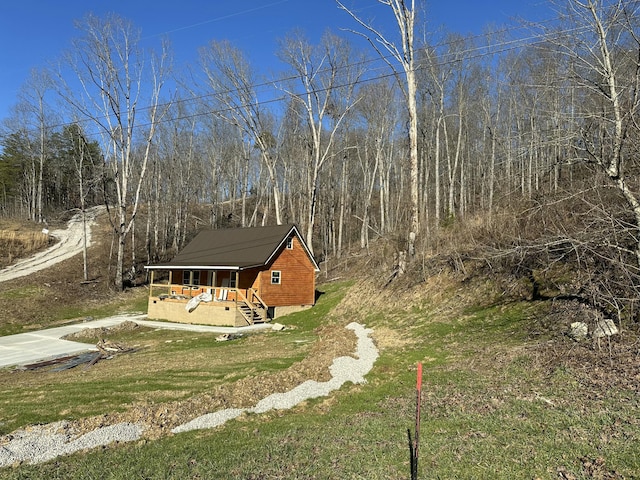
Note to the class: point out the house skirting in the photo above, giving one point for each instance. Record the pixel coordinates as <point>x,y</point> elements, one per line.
<point>287,309</point>
<point>223,314</point>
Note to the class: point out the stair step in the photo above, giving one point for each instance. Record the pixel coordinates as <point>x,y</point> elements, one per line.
<point>256,315</point>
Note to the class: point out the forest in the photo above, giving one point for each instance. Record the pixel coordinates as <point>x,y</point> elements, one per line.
<point>518,154</point>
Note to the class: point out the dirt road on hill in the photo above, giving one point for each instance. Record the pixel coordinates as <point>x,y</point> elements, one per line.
<point>69,243</point>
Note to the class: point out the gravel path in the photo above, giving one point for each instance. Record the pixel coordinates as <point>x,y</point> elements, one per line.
<point>45,442</point>
<point>69,243</point>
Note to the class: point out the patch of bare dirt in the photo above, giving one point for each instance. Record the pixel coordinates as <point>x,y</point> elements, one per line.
<point>387,338</point>
<point>594,468</point>
<point>599,364</point>
<point>103,332</point>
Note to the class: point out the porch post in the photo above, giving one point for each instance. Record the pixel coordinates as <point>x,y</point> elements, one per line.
<point>237,277</point>
<point>151,284</point>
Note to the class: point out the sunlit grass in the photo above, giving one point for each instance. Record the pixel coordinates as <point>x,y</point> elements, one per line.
<point>18,242</point>
<point>489,410</point>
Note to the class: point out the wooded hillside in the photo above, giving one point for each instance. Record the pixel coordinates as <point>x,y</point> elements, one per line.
<point>527,147</point>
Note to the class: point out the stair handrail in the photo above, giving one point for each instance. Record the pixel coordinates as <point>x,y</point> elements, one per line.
<point>255,294</point>
<point>241,298</point>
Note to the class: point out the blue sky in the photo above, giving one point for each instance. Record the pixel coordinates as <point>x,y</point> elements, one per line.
<point>33,32</point>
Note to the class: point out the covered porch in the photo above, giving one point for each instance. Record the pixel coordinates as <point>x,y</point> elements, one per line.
<point>234,297</point>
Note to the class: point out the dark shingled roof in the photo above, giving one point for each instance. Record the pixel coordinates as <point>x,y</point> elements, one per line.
<point>233,248</point>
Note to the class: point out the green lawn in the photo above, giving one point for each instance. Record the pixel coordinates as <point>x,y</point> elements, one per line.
<point>492,408</point>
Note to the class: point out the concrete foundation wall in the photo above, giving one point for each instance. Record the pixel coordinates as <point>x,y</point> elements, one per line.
<point>286,310</point>
<point>212,313</point>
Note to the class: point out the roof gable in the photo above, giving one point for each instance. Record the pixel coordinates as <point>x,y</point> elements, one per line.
<point>235,248</point>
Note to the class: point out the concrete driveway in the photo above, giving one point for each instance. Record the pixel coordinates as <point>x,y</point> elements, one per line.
<point>26,348</point>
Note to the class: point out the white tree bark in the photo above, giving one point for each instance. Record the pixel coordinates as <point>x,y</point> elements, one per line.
<point>113,80</point>
<point>233,83</point>
<point>603,25</point>
<point>404,13</point>
<point>328,77</point>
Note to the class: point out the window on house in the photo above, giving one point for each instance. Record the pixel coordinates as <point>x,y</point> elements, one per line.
<point>232,280</point>
<point>290,243</point>
<point>275,277</point>
<point>187,279</point>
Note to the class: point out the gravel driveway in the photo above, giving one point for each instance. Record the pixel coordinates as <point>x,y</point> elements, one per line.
<point>69,243</point>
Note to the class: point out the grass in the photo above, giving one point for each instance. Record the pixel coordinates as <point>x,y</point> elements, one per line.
<point>491,407</point>
<point>19,241</point>
<point>53,314</point>
<point>169,366</point>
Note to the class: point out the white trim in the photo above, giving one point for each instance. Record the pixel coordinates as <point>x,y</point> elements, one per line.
<point>191,267</point>
<point>302,242</point>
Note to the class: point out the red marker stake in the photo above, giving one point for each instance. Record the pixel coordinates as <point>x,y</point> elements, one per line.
<point>413,446</point>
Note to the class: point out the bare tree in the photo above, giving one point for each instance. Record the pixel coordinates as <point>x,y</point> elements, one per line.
<point>115,87</point>
<point>233,83</point>
<point>405,15</point>
<point>36,118</point>
<point>605,54</point>
<point>378,113</point>
<point>84,155</point>
<point>328,77</point>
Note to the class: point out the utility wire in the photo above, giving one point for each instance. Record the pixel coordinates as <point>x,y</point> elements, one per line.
<point>476,53</point>
<point>447,58</point>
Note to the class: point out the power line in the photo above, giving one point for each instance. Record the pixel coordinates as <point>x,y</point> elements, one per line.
<point>517,43</point>
<point>223,17</point>
<point>475,53</point>
<point>447,58</point>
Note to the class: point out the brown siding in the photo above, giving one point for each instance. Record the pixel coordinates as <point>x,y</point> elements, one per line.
<point>298,277</point>
<point>248,278</point>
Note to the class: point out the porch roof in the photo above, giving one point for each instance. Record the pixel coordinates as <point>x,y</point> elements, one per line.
<point>232,248</point>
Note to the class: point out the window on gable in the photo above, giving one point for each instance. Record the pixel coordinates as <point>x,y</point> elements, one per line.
<point>276,277</point>
<point>290,243</point>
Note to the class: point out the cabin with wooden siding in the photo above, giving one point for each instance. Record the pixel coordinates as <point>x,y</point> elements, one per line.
<point>235,277</point>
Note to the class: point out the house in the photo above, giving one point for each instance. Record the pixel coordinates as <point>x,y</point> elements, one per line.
<point>235,277</point>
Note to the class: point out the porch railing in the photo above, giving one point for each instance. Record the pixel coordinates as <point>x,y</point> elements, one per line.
<point>188,291</point>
